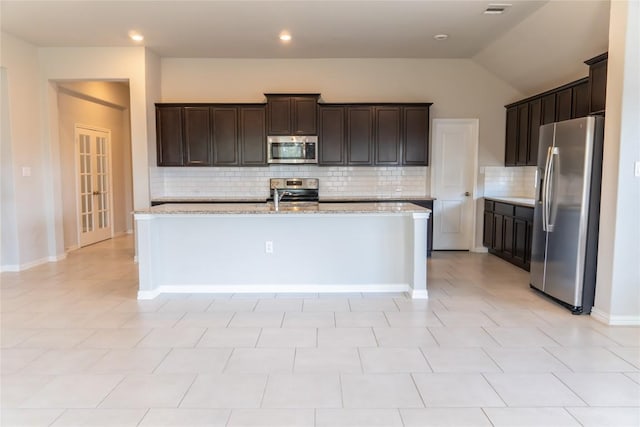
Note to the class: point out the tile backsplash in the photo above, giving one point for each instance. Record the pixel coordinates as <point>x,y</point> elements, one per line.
<point>510,181</point>
<point>253,183</point>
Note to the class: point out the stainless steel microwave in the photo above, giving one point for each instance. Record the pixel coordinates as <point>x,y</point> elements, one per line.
<point>292,149</point>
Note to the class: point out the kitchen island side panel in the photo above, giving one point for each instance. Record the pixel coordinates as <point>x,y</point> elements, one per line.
<point>314,253</point>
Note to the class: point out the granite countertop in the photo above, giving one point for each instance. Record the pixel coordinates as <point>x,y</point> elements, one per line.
<point>285,208</point>
<point>343,199</point>
<point>520,201</point>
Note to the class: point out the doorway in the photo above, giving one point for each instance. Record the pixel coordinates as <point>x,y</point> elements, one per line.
<point>95,161</point>
<point>453,182</point>
<point>94,189</point>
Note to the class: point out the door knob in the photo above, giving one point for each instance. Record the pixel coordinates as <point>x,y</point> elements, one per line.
<point>466,193</point>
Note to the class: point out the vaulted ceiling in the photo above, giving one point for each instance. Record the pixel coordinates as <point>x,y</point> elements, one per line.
<point>533,45</point>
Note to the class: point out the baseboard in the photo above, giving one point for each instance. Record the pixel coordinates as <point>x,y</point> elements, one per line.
<point>13,268</point>
<point>262,288</point>
<point>72,248</point>
<point>480,250</point>
<point>420,294</point>
<point>608,319</point>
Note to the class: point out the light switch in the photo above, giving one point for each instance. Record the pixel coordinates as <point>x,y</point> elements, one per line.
<point>637,172</point>
<point>26,171</point>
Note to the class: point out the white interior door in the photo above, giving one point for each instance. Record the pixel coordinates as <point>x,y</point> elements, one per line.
<point>453,178</point>
<point>94,185</point>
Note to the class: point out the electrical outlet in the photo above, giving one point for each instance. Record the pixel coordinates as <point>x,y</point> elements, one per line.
<point>268,247</point>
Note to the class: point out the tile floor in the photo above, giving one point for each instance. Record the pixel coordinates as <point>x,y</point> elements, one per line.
<point>79,350</point>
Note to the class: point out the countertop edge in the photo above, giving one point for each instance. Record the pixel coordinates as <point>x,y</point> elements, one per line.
<point>518,201</point>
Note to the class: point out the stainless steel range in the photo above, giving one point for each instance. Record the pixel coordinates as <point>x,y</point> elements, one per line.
<point>293,190</point>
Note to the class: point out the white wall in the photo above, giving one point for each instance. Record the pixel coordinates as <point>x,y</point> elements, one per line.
<point>618,281</point>
<point>34,135</point>
<point>459,88</point>
<point>104,105</point>
<point>23,197</point>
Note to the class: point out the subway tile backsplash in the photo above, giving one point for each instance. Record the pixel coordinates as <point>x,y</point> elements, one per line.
<point>510,182</point>
<point>253,183</point>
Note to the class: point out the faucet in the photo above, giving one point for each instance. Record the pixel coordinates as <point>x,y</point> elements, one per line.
<point>277,196</point>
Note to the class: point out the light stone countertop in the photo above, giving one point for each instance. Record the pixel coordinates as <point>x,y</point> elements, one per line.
<point>521,201</point>
<point>285,208</point>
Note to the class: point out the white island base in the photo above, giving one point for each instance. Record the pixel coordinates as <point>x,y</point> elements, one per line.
<point>250,248</point>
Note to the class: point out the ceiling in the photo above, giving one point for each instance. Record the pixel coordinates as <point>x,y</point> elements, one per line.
<point>320,29</point>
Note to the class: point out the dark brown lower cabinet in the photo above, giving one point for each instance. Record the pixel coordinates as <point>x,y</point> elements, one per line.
<point>507,232</point>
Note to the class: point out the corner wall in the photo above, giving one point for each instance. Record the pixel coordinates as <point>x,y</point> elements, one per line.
<point>25,239</point>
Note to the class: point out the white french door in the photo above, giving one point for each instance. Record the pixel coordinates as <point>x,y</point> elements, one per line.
<point>94,185</point>
<point>453,178</point>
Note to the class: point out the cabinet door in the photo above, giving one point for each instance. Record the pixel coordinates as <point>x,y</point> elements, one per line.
<point>580,100</point>
<point>253,141</point>
<point>387,135</point>
<point>520,240</point>
<point>305,116</point>
<point>169,136</point>
<point>511,143</point>
<point>535,120</point>
<point>598,87</point>
<point>507,235</point>
<point>527,254</point>
<point>564,109</point>
<point>279,116</point>
<point>549,108</point>
<point>498,233</point>
<point>487,235</point>
<point>359,135</point>
<point>523,134</point>
<point>225,136</point>
<point>331,136</point>
<point>197,136</point>
<point>415,141</point>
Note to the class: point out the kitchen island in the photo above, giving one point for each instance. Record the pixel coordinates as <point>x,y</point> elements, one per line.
<point>251,247</point>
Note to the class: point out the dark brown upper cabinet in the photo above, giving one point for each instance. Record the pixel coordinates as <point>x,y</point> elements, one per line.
<point>580,100</point>
<point>373,134</point>
<point>524,118</point>
<point>387,135</point>
<point>225,136</point>
<point>292,114</point>
<point>535,120</point>
<point>253,145</point>
<point>415,141</point>
<point>197,136</point>
<point>597,83</point>
<point>169,136</point>
<point>511,140</point>
<point>359,135</point>
<point>211,134</point>
<point>331,135</point>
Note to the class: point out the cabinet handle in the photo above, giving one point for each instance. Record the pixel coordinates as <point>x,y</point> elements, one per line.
<point>467,194</point>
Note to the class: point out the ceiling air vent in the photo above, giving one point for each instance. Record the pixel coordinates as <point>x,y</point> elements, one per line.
<point>496,9</point>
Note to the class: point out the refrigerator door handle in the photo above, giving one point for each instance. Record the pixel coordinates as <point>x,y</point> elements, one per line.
<point>553,153</point>
<point>545,190</point>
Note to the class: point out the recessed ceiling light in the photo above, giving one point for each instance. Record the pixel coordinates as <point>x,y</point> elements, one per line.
<point>496,9</point>
<point>136,36</point>
<point>440,37</point>
<point>285,36</point>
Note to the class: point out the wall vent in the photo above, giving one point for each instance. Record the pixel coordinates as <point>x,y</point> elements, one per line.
<point>496,9</point>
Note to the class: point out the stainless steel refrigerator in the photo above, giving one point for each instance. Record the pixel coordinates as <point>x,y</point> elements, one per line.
<point>566,216</point>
